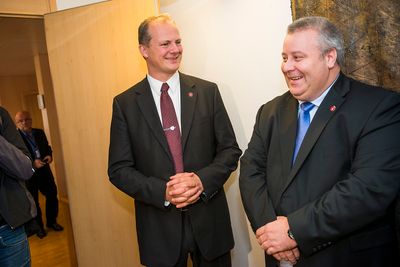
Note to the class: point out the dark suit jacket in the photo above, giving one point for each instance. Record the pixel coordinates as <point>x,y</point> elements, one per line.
<point>338,196</point>
<point>397,220</point>
<point>41,142</point>
<point>140,164</point>
<point>45,150</point>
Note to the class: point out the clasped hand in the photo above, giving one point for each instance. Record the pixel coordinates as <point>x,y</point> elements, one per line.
<point>183,189</point>
<point>273,238</point>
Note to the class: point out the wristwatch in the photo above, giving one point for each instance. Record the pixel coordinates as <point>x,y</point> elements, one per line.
<point>290,234</point>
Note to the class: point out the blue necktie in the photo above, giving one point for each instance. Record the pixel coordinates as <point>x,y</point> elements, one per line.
<point>302,125</point>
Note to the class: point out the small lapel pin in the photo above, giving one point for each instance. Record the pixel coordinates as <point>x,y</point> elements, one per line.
<point>332,108</point>
<point>190,94</point>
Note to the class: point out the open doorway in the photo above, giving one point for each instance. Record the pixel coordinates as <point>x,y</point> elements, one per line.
<point>23,54</point>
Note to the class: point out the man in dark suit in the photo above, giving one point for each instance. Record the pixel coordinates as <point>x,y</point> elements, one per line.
<point>42,180</point>
<point>175,171</point>
<point>332,204</point>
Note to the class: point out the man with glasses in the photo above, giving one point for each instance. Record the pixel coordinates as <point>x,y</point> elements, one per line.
<point>43,180</point>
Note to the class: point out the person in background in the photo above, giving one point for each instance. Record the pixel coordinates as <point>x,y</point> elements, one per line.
<point>172,148</point>
<point>43,179</point>
<point>15,207</point>
<point>328,199</point>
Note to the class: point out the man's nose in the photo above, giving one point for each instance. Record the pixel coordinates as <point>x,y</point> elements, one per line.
<point>175,48</point>
<point>287,66</point>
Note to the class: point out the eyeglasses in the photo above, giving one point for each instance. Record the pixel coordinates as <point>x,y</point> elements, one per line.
<point>23,120</point>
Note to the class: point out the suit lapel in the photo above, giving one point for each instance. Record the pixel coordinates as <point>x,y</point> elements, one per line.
<point>188,103</point>
<point>148,108</point>
<point>329,106</point>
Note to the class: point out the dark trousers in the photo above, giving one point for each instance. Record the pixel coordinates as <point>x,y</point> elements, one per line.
<point>189,247</point>
<point>43,181</point>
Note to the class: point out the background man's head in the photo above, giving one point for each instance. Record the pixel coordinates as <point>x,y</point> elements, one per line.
<point>23,120</point>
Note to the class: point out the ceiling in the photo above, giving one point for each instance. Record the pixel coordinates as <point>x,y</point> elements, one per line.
<point>20,40</point>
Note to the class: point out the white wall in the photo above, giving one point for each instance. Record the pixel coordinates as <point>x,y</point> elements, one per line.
<point>65,4</point>
<point>236,44</point>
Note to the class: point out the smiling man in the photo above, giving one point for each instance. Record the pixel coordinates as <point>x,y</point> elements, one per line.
<point>172,148</point>
<point>321,172</point>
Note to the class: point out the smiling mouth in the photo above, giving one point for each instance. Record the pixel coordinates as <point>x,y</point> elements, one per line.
<point>173,58</point>
<point>295,78</point>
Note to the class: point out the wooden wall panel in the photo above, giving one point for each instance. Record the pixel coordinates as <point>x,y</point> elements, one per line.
<point>93,56</point>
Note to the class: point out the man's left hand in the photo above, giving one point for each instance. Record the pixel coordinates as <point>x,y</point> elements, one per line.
<point>48,159</point>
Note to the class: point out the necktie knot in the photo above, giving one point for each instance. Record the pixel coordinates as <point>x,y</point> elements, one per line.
<point>306,106</point>
<point>164,87</point>
<point>302,125</point>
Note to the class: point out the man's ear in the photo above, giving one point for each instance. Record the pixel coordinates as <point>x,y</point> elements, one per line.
<point>143,51</point>
<point>331,57</point>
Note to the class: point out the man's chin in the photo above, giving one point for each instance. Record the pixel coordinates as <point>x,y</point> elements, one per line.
<point>173,69</point>
<point>297,93</point>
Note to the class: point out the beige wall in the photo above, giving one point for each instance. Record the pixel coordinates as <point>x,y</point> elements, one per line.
<point>19,92</point>
<point>93,56</point>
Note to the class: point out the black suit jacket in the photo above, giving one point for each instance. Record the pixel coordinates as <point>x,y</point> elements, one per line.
<point>41,142</point>
<point>140,165</point>
<point>338,196</point>
<point>44,149</point>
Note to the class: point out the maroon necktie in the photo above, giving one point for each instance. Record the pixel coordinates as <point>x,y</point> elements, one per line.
<point>171,128</point>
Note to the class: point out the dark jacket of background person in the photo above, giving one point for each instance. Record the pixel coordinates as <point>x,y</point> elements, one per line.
<point>15,168</point>
<point>44,148</point>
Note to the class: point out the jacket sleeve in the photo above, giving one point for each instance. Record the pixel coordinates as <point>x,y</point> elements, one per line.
<point>122,169</point>
<point>253,178</point>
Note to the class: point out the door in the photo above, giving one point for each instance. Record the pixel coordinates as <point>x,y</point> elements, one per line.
<point>93,55</point>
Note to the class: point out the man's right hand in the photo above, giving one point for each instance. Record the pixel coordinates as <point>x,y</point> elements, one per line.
<point>291,255</point>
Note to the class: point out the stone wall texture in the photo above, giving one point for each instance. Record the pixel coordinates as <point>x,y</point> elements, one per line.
<point>371,31</point>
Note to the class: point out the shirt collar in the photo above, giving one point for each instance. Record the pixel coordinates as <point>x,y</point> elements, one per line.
<point>172,82</point>
<point>317,102</point>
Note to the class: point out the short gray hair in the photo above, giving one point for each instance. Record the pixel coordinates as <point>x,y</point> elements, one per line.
<point>143,31</point>
<point>330,36</point>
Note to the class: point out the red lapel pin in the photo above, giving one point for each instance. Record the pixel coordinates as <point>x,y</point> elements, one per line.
<point>332,108</point>
<point>190,94</point>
